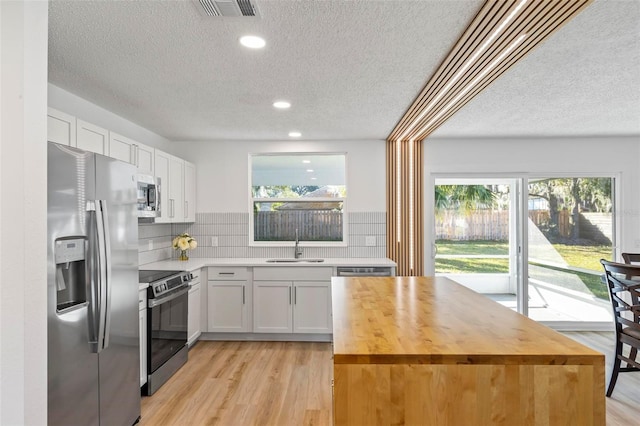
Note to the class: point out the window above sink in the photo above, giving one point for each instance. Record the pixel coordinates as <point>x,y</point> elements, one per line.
<point>298,192</point>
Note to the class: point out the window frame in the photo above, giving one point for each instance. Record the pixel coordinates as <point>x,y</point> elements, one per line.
<point>304,243</point>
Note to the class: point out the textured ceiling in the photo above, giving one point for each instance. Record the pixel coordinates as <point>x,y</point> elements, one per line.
<point>349,68</point>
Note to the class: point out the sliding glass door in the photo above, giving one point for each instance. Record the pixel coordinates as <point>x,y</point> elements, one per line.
<point>532,244</point>
<point>570,228</point>
<point>476,240</point>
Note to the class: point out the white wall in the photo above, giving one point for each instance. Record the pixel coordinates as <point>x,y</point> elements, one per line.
<point>23,212</point>
<point>535,157</point>
<point>223,176</point>
<point>65,101</point>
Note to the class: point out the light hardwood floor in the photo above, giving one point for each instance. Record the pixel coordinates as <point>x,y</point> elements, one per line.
<point>285,383</point>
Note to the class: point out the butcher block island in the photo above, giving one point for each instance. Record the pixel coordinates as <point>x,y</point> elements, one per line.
<point>428,351</point>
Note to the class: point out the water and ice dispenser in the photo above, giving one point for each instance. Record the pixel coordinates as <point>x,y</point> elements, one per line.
<point>71,282</point>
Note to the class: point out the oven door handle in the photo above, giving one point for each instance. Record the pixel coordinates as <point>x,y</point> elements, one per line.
<point>155,302</point>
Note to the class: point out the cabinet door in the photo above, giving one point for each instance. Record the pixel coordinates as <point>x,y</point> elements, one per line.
<point>189,192</point>
<point>193,319</point>
<point>227,305</point>
<point>162,160</point>
<point>61,127</point>
<point>176,189</point>
<point>272,307</point>
<point>312,307</point>
<point>92,138</point>
<point>142,317</point>
<point>145,159</point>
<point>121,148</point>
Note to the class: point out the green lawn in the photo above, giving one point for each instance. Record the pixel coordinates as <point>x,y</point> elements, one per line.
<point>579,256</point>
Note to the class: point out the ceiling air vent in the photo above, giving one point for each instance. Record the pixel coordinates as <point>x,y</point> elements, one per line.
<point>226,8</point>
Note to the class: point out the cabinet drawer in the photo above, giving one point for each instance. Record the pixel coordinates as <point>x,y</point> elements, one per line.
<point>229,273</point>
<point>293,273</point>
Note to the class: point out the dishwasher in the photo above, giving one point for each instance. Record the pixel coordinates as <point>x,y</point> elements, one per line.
<point>365,271</point>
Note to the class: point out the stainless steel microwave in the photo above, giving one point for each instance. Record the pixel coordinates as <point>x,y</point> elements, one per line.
<point>148,198</point>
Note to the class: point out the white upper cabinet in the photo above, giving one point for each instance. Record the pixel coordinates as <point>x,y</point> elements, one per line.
<point>170,171</point>
<point>145,159</point>
<point>189,192</point>
<point>162,160</point>
<point>125,149</point>
<point>92,138</point>
<point>122,148</point>
<point>61,127</point>
<point>176,189</point>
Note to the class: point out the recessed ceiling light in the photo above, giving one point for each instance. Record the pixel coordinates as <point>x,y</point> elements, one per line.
<point>314,178</point>
<point>252,42</point>
<point>281,104</point>
<point>310,170</point>
<point>295,135</point>
<point>306,161</point>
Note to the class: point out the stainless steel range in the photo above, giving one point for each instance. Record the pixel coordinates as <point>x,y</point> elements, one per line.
<point>167,314</point>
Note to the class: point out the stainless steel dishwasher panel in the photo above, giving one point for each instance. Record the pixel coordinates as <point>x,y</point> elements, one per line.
<point>365,271</point>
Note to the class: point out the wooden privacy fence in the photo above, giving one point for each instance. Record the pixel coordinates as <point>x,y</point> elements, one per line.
<point>494,225</point>
<point>476,225</point>
<point>312,225</point>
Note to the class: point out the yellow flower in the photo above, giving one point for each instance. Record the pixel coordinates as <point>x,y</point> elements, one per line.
<point>184,242</point>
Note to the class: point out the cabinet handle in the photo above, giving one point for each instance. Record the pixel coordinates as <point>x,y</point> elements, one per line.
<point>289,295</point>
<point>295,295</point>
<point>173,207</point>
<point>227,273</point>
<point>243,295</point>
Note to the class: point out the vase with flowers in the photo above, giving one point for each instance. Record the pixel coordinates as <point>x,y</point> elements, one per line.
<point>184,242</point>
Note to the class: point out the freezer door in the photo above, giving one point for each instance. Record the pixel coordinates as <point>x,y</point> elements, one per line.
<point>119,360</point>
<point>72,367</point>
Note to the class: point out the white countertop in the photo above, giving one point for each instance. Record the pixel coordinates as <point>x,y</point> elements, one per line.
<point>195,263</point>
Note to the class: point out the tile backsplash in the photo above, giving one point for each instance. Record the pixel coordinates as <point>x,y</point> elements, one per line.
<point>366,238</point>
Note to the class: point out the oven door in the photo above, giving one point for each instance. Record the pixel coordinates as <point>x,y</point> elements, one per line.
<point>167,327</point>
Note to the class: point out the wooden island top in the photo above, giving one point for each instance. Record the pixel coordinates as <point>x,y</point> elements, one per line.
<point>464,359</point>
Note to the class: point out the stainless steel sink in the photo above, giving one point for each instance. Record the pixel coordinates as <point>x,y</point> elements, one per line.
<point>288,260</point>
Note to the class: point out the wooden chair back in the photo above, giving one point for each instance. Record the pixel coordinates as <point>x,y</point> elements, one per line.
<point>631,258</point>
<point>623,282</point>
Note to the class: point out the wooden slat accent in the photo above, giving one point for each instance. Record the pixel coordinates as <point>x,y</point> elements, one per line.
<point>404,243</point>
<point>426,350</point>
<point>447,92</point>
<point>537,19</point>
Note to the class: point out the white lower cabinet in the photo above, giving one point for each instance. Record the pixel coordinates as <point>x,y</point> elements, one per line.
<point>272,307</point>
<point>142,320</point>
<point>312,307</point>
<point>229,300</point>
<point>292,300</point>
<point>193,319</point>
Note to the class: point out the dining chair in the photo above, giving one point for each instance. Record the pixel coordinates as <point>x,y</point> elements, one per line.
<point>631,258</point>
<point>623,282</point>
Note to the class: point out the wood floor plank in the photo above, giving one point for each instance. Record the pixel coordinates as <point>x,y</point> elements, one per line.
<point>289,383</point>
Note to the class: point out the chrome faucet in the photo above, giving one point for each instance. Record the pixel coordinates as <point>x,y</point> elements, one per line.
<point>298,250</point>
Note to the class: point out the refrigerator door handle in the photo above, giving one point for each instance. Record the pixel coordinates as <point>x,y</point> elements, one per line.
<point>94,288</point>
<point>106,247</point>
<point>103,272</point>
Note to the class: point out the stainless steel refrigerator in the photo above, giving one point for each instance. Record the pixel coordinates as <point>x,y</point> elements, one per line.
<point>92,281</point>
